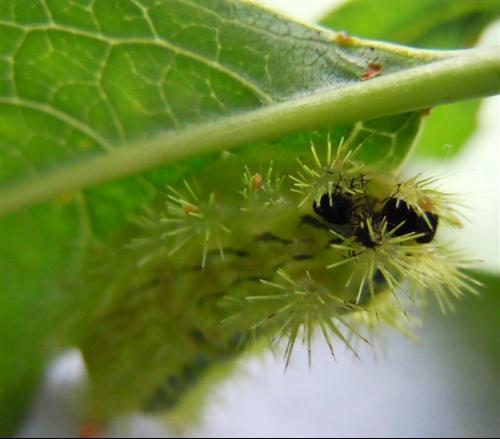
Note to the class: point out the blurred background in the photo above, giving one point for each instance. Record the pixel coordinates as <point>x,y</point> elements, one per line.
<point>445,384</point>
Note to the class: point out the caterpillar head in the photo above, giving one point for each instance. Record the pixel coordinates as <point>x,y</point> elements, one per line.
<point>382,233</point>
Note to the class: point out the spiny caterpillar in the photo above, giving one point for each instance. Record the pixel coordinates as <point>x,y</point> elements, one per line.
<point>245,252</point>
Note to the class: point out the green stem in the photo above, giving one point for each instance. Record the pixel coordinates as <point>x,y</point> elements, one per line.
<point>470,74</point>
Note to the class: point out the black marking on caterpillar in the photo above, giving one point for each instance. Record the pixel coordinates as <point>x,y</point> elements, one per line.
<point>337,240</point>
<point>302,257</point>
<point>366,236</point>
<point>399,213</point>
<point>336,208</point>
<point>310,220</point>
<point>271,237</point>
<point>230,251</point>
<point>198,336</point>
<point>340,206</point>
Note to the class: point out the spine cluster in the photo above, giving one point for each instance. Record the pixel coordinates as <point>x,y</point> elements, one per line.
<point>245,252</point>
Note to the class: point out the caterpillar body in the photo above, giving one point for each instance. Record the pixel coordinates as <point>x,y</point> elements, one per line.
<point>245,252</point>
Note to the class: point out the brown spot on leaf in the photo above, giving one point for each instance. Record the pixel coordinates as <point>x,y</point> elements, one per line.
<point>374,69</point>
<point>344,39</point>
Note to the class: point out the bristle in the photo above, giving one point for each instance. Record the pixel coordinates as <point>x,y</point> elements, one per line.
<point>312,182</point>
<point>330,247</point>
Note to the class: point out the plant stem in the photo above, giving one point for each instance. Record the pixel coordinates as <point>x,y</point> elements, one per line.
<point>469,74</point>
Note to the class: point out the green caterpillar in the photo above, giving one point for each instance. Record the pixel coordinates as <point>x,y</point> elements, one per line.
<point>247,252</point>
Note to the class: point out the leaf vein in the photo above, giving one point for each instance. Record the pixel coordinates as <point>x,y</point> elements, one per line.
<point>244,81</point>
<point>64,117</point>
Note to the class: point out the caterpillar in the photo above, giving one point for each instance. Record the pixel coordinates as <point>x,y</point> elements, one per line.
<point>244,253</point>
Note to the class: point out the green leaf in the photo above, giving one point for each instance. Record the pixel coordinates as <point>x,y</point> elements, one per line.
<point>448,129</point>
<point>446,24</point>
<point>443,24</point>
<point>476,321</point>
<point>91,92</point>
